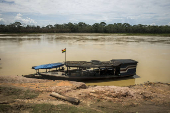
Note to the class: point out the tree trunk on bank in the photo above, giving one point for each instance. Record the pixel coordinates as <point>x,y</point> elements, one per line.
<point>69,99</point>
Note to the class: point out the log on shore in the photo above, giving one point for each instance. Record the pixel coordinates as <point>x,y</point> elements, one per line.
<point>69,99</point>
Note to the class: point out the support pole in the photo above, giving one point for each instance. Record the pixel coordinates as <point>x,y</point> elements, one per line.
<point>67,69</point>
<point>99,70</point>
<point>65,57</point>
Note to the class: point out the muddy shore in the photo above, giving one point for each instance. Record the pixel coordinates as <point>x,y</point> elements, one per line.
<point>147,97</point>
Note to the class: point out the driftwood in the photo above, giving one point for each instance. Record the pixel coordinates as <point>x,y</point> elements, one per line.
<point>69,99</point>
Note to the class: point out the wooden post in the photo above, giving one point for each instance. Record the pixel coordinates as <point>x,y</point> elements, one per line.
<point>69,99</point>
<point>113,71</point>
<point>65,56</point>
<point>67,69</point>
<point>99,70</point>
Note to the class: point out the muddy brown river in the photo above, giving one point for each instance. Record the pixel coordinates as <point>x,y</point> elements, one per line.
<point>19,53</point>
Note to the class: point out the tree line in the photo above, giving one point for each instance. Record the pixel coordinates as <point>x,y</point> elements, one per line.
<point>82,27</point>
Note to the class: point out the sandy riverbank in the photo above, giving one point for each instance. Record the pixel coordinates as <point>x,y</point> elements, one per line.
<point>147,97</point>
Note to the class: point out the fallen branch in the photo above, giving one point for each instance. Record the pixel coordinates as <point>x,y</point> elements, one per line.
<point>69,99</point>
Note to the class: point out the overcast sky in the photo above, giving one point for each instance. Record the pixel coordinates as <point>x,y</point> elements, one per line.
<point>44,12</point>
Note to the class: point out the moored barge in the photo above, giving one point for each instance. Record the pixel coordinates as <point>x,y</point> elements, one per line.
<point>94,69</point>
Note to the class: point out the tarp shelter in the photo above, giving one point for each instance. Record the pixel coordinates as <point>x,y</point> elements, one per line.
<point>48,66</point>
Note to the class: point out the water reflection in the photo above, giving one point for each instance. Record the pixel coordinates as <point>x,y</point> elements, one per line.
<point>20,53</point>
<point>117,82</point>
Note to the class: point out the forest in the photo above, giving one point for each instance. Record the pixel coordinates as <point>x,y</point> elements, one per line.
<point>82,27</point>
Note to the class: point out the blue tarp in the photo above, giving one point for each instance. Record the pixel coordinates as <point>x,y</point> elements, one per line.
<point>48,66</point>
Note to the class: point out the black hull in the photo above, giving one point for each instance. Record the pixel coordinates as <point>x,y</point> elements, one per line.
<point>80,78</point>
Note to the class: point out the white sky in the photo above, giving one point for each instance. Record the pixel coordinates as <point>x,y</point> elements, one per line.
<point>44,12</point>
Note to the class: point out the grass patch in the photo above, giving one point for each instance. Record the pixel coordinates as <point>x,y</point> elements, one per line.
<point>17,108</point>
<point>44,108</point>
<point>73,109</point>
<point>15,93</point>
<point>4,108</point>
<point>63,108</point>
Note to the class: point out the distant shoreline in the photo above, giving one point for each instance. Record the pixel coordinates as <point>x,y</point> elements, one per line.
<point>102,34</point>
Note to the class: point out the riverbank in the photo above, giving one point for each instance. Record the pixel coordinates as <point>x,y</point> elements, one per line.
<point>21,94</point>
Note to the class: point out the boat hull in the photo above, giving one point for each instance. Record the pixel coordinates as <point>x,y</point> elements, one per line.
<point>55,76</point>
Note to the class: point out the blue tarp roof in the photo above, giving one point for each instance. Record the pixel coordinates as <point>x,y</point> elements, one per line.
<point>48,66</point>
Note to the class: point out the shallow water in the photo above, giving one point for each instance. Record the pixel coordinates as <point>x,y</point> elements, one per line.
<point>19,53</point>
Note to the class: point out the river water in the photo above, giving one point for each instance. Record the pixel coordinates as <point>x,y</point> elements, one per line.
<point>19,53</point>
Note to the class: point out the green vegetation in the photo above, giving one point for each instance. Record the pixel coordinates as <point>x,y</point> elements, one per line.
<point>14,93</point>
<point>4,108</point>
<point>63,108</point>
<point>82,27</point>
<point>45,108</point>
